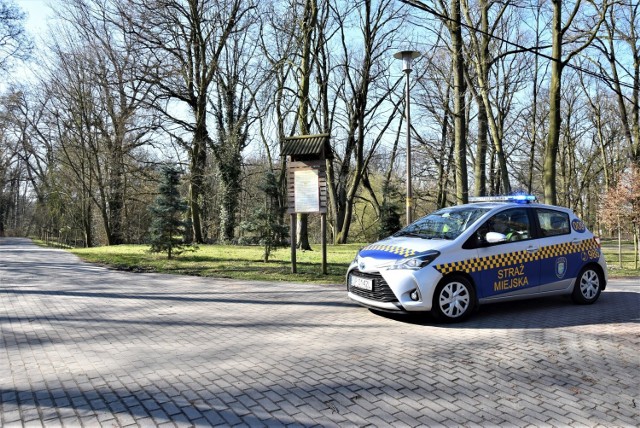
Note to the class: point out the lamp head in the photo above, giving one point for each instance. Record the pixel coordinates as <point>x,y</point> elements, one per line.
<point>407,58</point>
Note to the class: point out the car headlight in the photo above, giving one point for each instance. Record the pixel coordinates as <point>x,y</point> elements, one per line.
<point>416,262</point>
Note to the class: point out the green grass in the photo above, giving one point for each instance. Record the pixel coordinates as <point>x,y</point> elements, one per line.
<point>237,262</point>
<point>627,268</point>
<point>245,262</point>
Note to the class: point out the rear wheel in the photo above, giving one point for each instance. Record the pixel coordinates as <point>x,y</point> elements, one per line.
<point>454,299</point>
<point>588,286</point>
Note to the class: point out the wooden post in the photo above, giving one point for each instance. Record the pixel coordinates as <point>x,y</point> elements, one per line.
<point>323,237</point>
<point>294,268</point>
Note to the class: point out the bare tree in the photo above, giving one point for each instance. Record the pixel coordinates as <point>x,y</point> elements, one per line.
<point>237,81</point>
<point>483,59</point>
<point>25,114</point>
<point>14,41</point>
<point>362,101</point>
<point>95,107</point>
<point>8,171</point>
<point>451,17</point>
<point>534,105</point>
<point>620,47</point>
<point>581,33</point>
<point>459,104</point>
<point>433,99</point>
<point>275,107</point>
<point>186,39</point>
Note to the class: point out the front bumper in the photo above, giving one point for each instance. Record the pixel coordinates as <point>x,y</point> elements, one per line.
<point>392,289</point>
<point>374,304</point>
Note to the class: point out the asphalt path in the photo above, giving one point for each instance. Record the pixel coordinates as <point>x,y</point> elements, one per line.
<point>83,345</point>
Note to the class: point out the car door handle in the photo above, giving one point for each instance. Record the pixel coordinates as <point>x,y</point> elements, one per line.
<point>532,250</point>
<point>575,241</point>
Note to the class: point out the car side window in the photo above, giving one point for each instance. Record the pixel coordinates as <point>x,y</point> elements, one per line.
<point>553,223</point>
<point>512,224</point>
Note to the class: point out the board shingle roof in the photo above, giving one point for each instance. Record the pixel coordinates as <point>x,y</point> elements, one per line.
<point>302,145</point>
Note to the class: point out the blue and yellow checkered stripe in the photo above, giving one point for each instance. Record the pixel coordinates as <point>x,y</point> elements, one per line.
<point>518,257</point>
<point>399,251</point>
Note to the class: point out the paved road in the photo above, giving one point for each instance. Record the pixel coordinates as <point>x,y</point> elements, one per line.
<point>86,346</point>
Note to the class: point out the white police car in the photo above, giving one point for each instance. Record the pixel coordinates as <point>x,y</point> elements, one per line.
<point>456,258</point>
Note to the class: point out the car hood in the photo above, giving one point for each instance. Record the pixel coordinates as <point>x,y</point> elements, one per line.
<point>395,248</point>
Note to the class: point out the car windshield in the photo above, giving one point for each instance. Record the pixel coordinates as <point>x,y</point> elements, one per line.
<point>447,223</point>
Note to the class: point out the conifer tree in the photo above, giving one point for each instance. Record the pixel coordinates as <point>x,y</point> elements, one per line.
<point>167,224</point>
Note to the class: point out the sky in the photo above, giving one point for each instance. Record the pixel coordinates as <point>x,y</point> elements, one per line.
<point>38,11</point>
<point>38,14</point>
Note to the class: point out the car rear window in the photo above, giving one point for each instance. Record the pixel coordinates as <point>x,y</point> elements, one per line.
<point>553,223</point>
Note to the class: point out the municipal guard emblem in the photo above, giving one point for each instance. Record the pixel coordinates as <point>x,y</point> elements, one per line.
<point>561,266</point>
<point>578,225</point>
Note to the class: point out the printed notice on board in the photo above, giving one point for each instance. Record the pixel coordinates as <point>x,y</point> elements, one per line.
<point>307,195</point>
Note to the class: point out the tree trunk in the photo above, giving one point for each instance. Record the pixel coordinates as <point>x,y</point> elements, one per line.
<point>87,221</point>
<point>116,193</point>
<point>480,170</point>
<point>230,190</point>
<point>534,111</point>
<point>308,25</point>
<point>446,154</point>
<point>549,174</point>
<point>196,180</point>
<point>462,187</point>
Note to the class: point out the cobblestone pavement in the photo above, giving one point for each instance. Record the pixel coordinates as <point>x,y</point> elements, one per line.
<point>87,346</point>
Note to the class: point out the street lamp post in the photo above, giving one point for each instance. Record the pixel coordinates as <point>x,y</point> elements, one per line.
<point>407,58</point>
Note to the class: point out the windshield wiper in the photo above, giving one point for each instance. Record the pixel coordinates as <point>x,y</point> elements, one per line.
<point>412,234</point>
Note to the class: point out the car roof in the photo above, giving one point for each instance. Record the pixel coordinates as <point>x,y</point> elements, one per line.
<point>501,204</point>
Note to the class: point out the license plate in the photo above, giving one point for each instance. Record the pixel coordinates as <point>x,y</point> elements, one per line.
<point>363,283</point>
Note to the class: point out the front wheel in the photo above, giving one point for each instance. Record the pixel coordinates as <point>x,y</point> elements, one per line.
<point>588,286</point>
<point>454,299</point>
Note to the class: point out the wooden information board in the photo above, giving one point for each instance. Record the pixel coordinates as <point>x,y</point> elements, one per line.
<point>307,187</point>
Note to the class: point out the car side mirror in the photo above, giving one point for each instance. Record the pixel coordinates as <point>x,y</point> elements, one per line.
<point>495,237</point>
